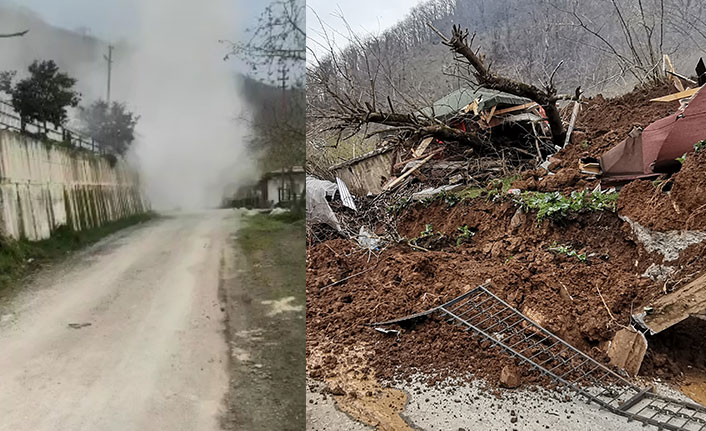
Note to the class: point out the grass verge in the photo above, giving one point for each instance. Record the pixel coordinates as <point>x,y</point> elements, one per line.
<point>266,325</point>
<point>20,258</point>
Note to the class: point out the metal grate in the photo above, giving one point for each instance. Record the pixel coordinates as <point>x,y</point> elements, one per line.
<point>493,319</point>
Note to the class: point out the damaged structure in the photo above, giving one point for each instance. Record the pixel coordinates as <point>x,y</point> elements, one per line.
<point>518,236</point>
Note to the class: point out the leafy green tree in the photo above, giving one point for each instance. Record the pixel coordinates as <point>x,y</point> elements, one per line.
<point>44,95</point>
<point>113,127</point>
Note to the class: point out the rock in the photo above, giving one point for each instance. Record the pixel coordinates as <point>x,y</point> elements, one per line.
<point>510,377</point>
<point>628,350</point>
<point>497,249</point>
<point>517,220</point>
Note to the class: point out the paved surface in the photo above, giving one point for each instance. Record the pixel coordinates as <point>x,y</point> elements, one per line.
<point>154,356</point>
<point>322,414</point>
<point>469,407</point>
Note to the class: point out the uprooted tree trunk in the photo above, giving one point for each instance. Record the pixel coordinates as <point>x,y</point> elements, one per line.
<point>353,116</point>
<point>421,126</point>
<point>546,98</point>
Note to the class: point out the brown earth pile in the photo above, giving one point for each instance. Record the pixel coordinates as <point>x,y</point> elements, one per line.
<point>682,208</point>
<point>601,124</point>
<point>511,250</point>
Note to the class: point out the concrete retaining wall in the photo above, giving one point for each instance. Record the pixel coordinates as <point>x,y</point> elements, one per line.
<point>43,187</point>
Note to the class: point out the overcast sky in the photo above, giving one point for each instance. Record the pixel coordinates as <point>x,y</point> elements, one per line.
<point>117,19</point>
<point>364,17</point>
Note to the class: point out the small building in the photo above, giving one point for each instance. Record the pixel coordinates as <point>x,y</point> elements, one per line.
<point>283,186</point>
<point>367,173</point>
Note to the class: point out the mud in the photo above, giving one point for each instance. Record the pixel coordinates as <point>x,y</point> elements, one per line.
<point>559,292</point>
<point>678,354</point>
<point>603,122</point>
<point>359,394</point>
<point>583,302</point>
<point>683,207</point>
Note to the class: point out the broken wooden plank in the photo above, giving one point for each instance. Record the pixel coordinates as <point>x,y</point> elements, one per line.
<point>574,113</point>
<point>422,147</point>
<point>404,163</point>
<point>516,108</point>
<point>668,67</point>
<point>490,114</point>
<point>675,307</point>
<point>399,179</point>
<point>676,96</point>
<point>627,350</point>
<point>473,106</point>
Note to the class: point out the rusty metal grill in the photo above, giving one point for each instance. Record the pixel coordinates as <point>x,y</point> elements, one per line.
<point>494,320</point>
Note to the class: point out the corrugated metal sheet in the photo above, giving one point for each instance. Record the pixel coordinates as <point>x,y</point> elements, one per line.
<point>346,196</point>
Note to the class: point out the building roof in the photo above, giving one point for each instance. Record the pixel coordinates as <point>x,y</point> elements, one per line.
<point>375,152</point>
<point>287,171</point>
<point>453,103</point>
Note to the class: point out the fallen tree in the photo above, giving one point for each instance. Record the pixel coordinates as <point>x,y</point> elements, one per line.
<point>547,97</point>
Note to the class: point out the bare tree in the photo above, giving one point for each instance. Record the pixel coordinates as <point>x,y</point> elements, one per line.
<point>278,42</point>
<point>546,97</point>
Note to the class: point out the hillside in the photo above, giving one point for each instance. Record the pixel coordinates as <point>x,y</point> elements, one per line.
<point>78,54</point>
<point>603,47</point>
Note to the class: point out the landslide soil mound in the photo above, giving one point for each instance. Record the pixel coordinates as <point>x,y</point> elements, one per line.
<point>509,248</point>
<point>683,207</point>
<point>603,122</point>
<point>584,303</point>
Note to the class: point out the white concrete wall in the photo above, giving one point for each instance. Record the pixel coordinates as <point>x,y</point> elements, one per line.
<point>43,187</point>
<point>274,183</point>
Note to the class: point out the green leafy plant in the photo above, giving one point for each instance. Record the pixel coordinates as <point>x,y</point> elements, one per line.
<point>681,159</point>
<point>428,231</point>
<point>465,235</point>
<point>450,199</point>
<point>701,145</point>
<point>398,206</point>
<point>557,206</point>
<point>567,250</point>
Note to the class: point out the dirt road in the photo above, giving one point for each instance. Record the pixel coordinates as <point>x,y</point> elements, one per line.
<point>154,355</point>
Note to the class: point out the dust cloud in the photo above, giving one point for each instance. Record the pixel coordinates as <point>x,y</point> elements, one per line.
<point>190,146</point>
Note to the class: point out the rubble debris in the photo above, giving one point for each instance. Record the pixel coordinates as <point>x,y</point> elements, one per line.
<point>317,208</point>
<point>346,196</point>
<point>585,303</point>
<point>434,191</point>
<point>689,301</point>
<point>417,153</point>
<point>368,240</point>
<point>627,350</point>
<point>510,377</point>
<point>659,273</point>
<point>475,100</point>
<point>498,325</point>
<point>396,181</point>
<point>368,172</point>
<point>669,244</point>
<point>655,149</point>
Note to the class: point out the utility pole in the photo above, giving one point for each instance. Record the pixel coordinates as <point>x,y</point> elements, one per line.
<point>109,59</point>
<point>284,78</point>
